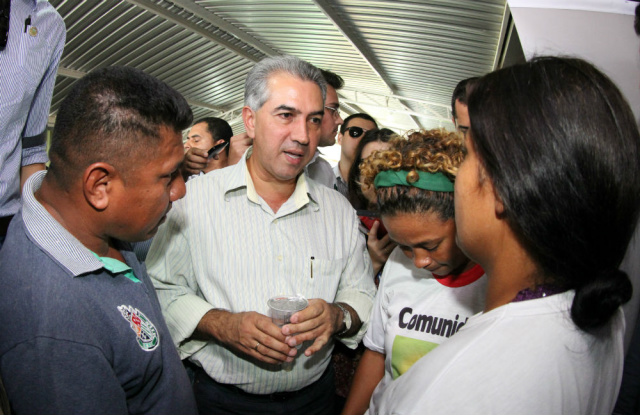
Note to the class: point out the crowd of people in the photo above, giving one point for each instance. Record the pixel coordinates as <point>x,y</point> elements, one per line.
<point>466,271</point>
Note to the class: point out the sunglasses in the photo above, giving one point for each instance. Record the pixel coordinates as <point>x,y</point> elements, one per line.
<point>355,132</point>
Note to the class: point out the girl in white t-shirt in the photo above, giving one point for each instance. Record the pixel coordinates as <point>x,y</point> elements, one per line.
<point>429,288</point>
<point>546,201</point>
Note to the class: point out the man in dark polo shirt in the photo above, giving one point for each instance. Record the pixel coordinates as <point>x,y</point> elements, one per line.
<point>81,330</point>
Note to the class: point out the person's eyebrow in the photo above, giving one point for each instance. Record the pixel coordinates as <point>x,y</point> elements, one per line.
<point>436,240</point>
<point>286,108</point>
<point>297,111</point>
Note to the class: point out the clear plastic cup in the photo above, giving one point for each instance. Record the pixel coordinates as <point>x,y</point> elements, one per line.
<point>282,307</point>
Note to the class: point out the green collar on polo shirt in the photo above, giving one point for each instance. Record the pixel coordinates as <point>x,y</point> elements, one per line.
<point>117,267</point>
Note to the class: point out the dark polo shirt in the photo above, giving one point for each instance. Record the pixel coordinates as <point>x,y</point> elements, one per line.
<point>76,337</point>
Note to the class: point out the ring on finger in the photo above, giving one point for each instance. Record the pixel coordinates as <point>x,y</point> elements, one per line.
<point>256,348</point>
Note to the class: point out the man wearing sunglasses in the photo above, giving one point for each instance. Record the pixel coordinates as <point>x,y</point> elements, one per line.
<point>32,36</point>
<point>351,133</point>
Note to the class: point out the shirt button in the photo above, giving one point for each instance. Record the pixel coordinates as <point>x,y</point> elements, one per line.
<point>279,257</point>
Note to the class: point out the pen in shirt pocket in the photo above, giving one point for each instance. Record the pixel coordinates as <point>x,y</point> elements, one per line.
<point>312,258</point>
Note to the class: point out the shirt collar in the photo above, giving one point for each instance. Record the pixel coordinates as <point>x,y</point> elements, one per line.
<point>51,236</point>
<point>115,266</point>
<point>304,193</point>
<point>336,171</point>
<point>314,158</point>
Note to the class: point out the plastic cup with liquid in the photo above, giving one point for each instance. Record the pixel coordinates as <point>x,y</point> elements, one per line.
<point>282,307</point>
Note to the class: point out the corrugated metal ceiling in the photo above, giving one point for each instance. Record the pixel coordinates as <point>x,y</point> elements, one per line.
<point>400,59</point>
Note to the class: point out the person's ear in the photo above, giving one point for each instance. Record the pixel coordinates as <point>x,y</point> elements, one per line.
<point>98,183</point>
<point>340,138</point>
<point>220,141</point>
<point>249,118</point>
<point>498,203</point>
<point>500,213</point>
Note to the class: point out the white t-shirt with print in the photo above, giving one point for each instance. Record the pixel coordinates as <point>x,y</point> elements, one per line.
<point>525,358</point>
<point>413,313</point>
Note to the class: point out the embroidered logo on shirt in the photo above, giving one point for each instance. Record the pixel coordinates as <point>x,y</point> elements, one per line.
<point>146,333</point>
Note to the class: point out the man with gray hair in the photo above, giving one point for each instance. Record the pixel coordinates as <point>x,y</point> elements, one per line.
<point>274,232</point>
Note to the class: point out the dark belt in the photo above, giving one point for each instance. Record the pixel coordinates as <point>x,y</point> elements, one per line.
<point>276,396</point>
<point>4,224</point>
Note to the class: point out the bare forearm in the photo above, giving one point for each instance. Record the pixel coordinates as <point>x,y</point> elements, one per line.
<point>250,333</point>
<point>27,171</point>
<point>216,325</point>
<point>356,323</point>
<point>376,265</point>
<point>368,374</point>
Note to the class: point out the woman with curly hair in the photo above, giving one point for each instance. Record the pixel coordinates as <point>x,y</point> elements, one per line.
<point>546,201</point>
<point>429,288</point>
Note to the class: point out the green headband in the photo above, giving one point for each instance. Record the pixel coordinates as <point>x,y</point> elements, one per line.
<point>436,182</point>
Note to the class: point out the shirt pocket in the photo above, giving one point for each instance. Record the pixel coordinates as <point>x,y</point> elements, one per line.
<point>322,278</point>
<point>27,65</point>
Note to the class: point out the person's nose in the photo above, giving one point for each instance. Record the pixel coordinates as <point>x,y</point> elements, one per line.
<point>301,132</point>
<point>178,189</point>
<point>421,259</point>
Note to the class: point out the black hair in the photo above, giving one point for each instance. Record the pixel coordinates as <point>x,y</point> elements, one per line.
<point>460,93</point>
<point>332,79</point>
<point>636,21</point>
<point>355,196</point>
<point>218,128</point>
<point>362,115</point>
<point>561,147</point>
<point>112,115</point>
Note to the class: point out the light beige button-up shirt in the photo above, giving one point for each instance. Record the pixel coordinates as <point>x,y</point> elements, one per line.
<point>223,247</point>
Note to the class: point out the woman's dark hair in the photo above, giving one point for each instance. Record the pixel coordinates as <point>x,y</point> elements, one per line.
<point>460,93</point>
<point>561,147</point>
<point>355,196</point>
<point>433,151</point>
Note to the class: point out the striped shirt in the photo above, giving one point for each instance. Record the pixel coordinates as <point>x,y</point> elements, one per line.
<point>321,171</point>
<point>341,184</point>
<point>28,67</point>
<point>223,247</point>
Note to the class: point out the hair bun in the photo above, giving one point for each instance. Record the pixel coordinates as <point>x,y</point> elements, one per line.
<point>598,300</point>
